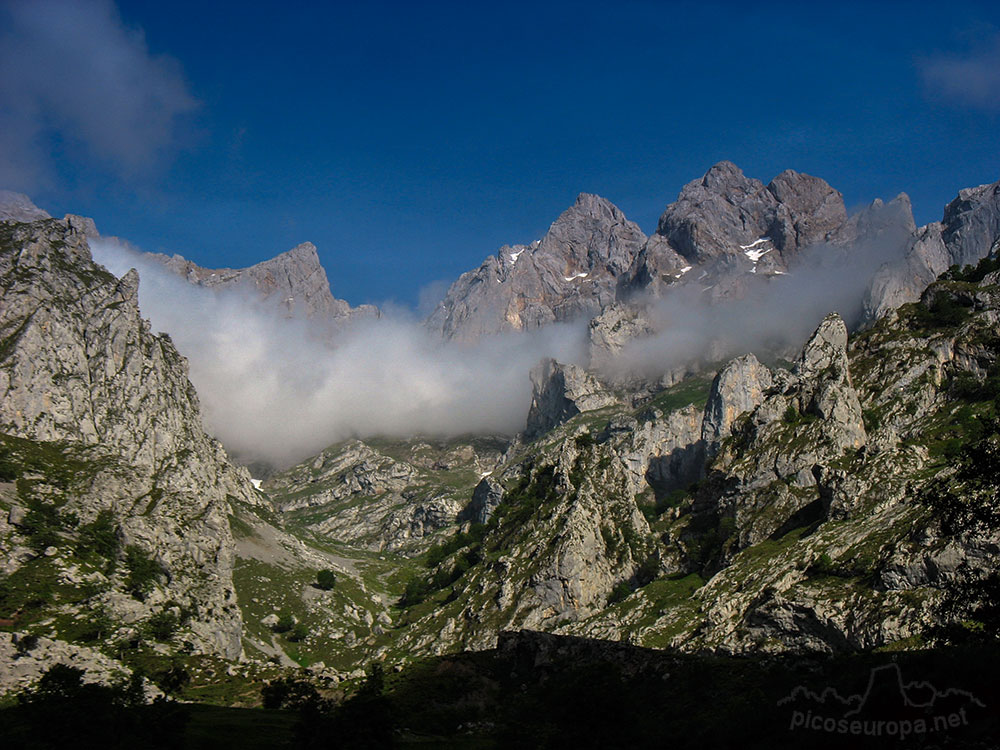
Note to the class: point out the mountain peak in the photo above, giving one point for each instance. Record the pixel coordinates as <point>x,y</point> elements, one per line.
<point>304,250</point>
<point>722,173</point>
<point>18,207</point>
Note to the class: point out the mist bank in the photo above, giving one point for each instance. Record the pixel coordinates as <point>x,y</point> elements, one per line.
<point>278,390</point>
<point>771,316</point>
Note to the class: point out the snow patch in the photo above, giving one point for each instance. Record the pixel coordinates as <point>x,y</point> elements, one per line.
<point>756,254</point>
<point>581,275</point>
<point>515,256</point>
<point>682,272</point>
<point>256,483</point>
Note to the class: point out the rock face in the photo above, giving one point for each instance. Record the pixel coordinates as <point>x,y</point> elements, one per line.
<point>737,389</point>
<point>968,232</point>
<point>295,281</point>
<point>485,499</point>
<point>25,660</point>
<point>609,334</point>
<point>827,391</point>
<point>393,496</point>
<point>560,392</point>
<point>571,272</point>
<point>725,236</point>
<point>18,207</point>
<point>724,212</point>
<point>806,531</point>
<point>80,367</point>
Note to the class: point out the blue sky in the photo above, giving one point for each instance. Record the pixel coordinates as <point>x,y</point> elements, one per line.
<point>409,140</point>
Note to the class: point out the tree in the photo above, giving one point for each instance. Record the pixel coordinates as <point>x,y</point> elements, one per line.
<point>326,580</point>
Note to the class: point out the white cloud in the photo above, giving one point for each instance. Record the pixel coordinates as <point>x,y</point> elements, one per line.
<point>272,390</point>
<point>75,79</point>
<point>971,79</point>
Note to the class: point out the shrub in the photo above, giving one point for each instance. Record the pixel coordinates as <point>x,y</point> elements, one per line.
<point>823,566</point>
<point>619,592</point>
<point>143,572</point>
<point>163,625</point>
<point>42,523</point>
<point>648,571</point>
<point>173,679</point>
<point>285,623</point>
<point>298,633</point>
<point>289,693</point>
<point>326,580</point>
<point>100,536</point>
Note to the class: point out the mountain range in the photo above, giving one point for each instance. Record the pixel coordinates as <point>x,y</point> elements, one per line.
<point>825,494</point>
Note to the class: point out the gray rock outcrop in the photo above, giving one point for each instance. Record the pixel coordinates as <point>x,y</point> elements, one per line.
<point>80,368</point>
<point>737,389</point>
<point>485,499</point>
<point>560,392</point>
<point>571,272</point>
<point>294,281</point>
<point>610,332</point>
<point>18,207</point>
<point>724,212</point>
<point>968,232</point>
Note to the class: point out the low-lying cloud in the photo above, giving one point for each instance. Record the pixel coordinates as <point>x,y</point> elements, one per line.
<point>275,390</point>
<point>773,315</point>
<point>278,390</point>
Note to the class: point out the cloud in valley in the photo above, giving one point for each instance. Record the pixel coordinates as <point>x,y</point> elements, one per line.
<point>275,390</point>
<point>78,85</point>
<point>774,315</point>
<point>279,390</point>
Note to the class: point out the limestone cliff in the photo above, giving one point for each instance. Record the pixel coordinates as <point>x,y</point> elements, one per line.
<point>107,406</point>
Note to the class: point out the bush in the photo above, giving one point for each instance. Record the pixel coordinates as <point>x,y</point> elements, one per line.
<point>64,711</point>
<point>143,572</point>
<point>944,311</point>
<point>41,524</point>
<point>973,274</point>
<point>163,625</point>
<point>326,580</point>
<point>298,633</point>
<point>173,679</point>
<point>285,623</point>
<point>289,693</point>
<point>619,592</point>
<point>100,536</point>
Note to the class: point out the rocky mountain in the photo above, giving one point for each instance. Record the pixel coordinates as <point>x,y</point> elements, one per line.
<point>293,281</point>
<point>841,502</point>
<point>116,502</point>
<point>383,494</point>
<point>778,510</point>
<point>721,226</point>
<point>571,272</point>
<point>967,232</point>
<point>726,237</point>
<point>18,207</point>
